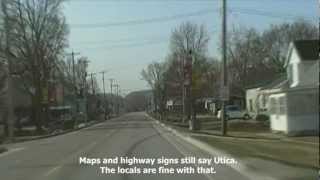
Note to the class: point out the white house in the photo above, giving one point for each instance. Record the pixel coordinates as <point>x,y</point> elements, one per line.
<point>295,109</point>
<point>174,104</point>
<point>257,98</point>
<point>251,100</point>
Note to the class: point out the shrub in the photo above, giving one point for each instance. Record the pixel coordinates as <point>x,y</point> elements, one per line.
<point>68,124</point>
<point>3,149</point>
<point>262,117</point>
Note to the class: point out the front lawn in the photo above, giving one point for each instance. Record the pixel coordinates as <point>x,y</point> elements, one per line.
<point>291,153</point>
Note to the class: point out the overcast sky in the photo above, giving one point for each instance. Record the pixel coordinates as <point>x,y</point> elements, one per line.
<point>123,36</point>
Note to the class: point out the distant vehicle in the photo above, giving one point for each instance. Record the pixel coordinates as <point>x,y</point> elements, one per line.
<point>234,112</point>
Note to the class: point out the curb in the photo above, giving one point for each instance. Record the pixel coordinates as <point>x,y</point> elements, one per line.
<point>51,135</point>
<point>298,141</point>
<point>245,138</point>
<point>214,152</point>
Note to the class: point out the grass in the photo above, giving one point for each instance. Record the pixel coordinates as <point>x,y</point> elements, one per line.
<point>291,153</point>
<point>248,127</point>
<point>25,132</point>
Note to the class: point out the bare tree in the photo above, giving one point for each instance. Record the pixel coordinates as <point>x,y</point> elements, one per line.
<point>154,74</point>
<point>189,36</point>
<point>38,33</point>
<point>260,57</point>
<point>81,72</point>
<point>247,54</point>
<point>278,37</point>
<point>3,95</point>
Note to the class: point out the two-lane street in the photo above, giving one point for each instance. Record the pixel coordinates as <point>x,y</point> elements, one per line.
<point>159,90</point>
<point>132,135</point>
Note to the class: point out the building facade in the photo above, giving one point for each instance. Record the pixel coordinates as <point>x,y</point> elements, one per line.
<point>295,110</point>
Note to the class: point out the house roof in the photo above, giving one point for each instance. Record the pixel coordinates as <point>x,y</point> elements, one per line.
<point>308,50</point>
<point>275,83</point>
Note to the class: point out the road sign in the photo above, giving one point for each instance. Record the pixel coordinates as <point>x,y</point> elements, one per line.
<point>224,93</point>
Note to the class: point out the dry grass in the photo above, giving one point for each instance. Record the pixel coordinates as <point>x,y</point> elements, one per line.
<point>291,153</point>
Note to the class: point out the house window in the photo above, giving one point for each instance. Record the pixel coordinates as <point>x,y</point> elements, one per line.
<point>282,106</point>
<point>278,106</point>
<point>264,101</point>
<point>273,106</point>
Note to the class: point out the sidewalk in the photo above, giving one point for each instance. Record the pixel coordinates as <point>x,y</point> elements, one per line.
<point>252,132</point>
<point>263,136</point>
<point>274,156</point>
<point>302,151</point>
<point>18,139</point>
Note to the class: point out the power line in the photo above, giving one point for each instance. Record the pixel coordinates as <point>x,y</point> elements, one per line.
<point>144,21</point>
<point>267,14</point>
<point>134,44</point>
<point>121,40</point>
<point>148,1</point>
<point>152,38</point>
<point>192,14</point>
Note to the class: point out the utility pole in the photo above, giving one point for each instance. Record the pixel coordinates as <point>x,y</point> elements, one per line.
<point>117,99</point>
<point>104,96</point>
<point>187,82</point>
<point>74,83</point>
<point>93,91</point>
<point>111,97</point>
<point>74,70</point>
<point>193,123</point>
<point>224,89</point>
<point>84,91</point>
<point>183,90</point>
<point>104,89</point>
<point>10,118</point>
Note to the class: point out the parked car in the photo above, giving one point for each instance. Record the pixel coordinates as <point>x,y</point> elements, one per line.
<point>234,112</point>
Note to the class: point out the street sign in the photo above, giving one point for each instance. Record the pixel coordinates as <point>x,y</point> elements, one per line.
<point>224,93</point>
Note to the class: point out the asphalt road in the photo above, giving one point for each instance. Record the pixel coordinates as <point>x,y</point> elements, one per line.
<point>131,135</point>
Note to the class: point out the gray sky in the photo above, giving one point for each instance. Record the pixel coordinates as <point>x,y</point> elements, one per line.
<point>123,36</point>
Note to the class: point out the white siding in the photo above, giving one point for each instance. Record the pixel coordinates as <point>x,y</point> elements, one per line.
<point>251,100</point>
<point>294,63</point>
<point>303,123</point>
<point>308,74</point>
<point>298,113</point>
<point>302,73</point>
<point>303,110</point>
<point>278,118</point>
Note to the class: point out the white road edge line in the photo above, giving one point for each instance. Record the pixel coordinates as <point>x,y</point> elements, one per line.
<point>52,170</point>
<point>179,150</point>
<point>77,153</point>
<point>207,148</point>
<point>10,151</point>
